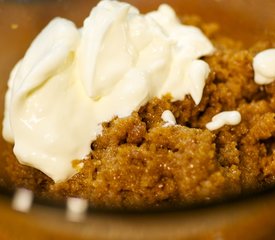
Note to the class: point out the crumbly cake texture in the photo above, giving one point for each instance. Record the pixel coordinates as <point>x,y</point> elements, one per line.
<point>138,163</point>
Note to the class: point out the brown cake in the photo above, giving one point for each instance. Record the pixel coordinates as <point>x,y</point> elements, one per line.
<point>137,162</point>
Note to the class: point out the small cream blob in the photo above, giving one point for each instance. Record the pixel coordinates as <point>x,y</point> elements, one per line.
<point>168,117</point>
<point>264,67</point>
<point>72,80</point>
<point>76,209</point>
<point>224,118</point>
<point>22,200</point>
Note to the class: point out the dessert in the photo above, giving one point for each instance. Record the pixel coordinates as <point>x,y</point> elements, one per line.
<point>116,63</point>
<point>155,146</point>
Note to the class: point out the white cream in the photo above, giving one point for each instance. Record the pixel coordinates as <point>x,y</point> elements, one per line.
<point>168,117</point>
<point>71,80</point>
<point>224,118</point>
<point>264,67</point>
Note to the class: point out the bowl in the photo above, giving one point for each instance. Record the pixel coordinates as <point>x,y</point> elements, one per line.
<point>248,217</point>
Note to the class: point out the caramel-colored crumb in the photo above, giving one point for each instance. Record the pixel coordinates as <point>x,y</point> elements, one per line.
<point>137,162</point>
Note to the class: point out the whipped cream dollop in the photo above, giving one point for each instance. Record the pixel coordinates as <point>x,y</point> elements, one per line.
<point>224,118</point>
<point>264,66</point>
<point>71,80</point>
<point>168,117</point>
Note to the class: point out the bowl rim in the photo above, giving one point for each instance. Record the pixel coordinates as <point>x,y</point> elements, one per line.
<point>42,202</point>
